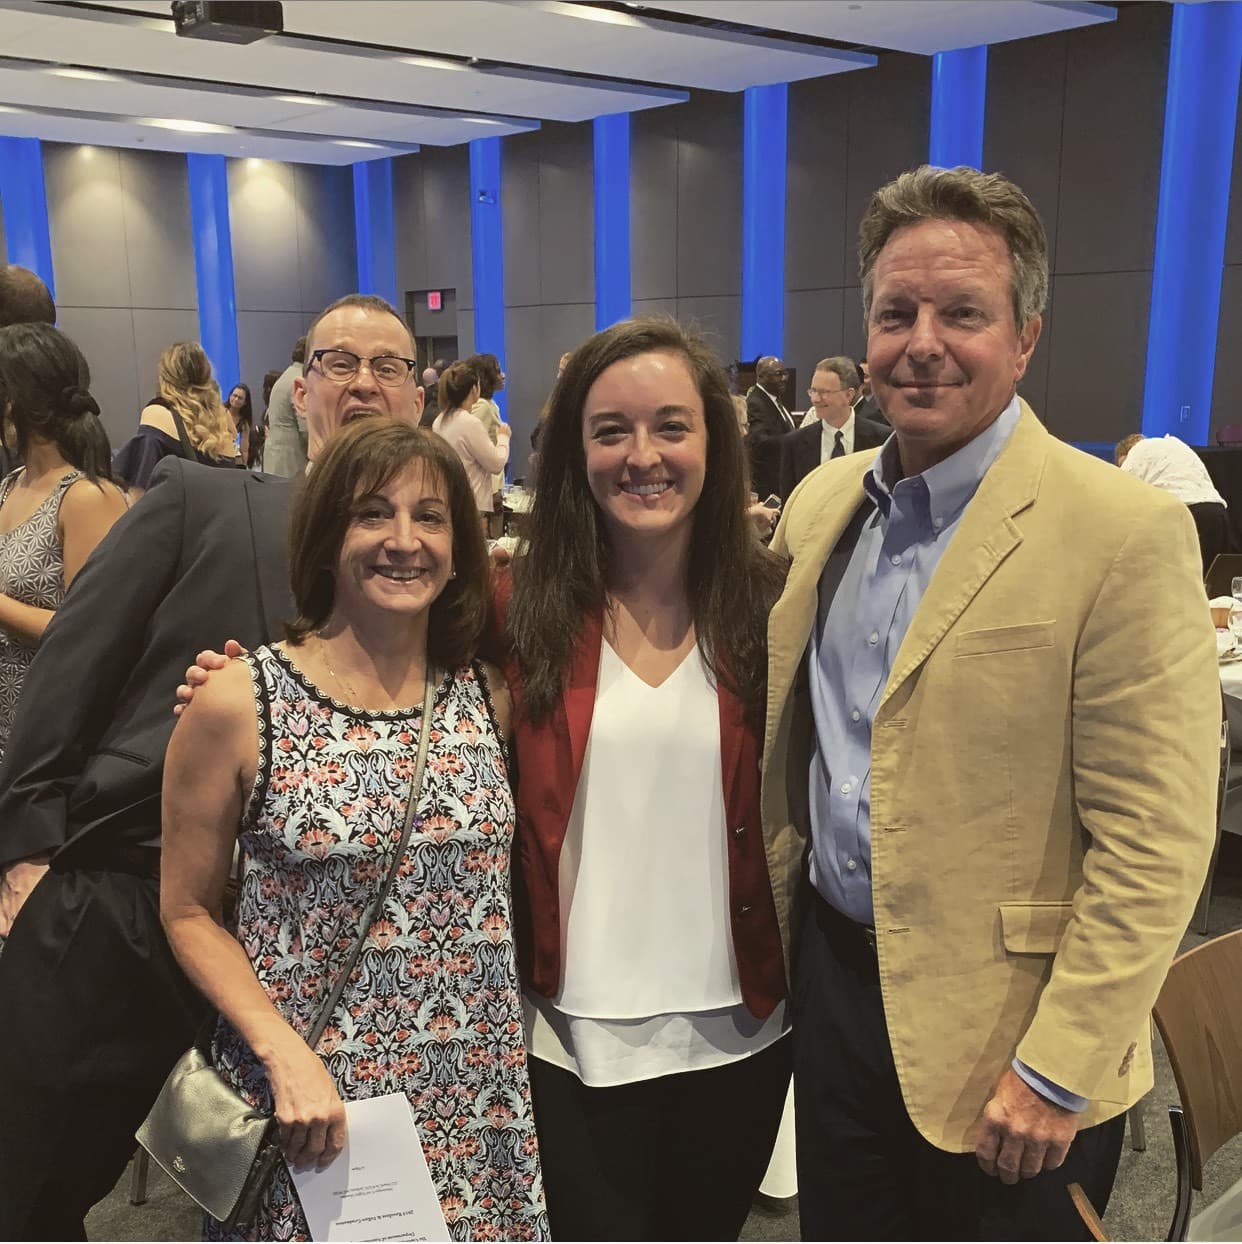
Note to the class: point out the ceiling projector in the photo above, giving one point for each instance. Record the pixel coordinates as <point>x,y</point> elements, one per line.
<point>227,21</point>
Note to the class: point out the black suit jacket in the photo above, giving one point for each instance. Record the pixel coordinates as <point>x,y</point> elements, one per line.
<point>767,427</point>
<point>200,559</point>
<point>800,450</point>
<point>869,408</point>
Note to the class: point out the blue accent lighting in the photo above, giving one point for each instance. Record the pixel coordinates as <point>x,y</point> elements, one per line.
<point>23,200</point>
<point>612,219</point>
<point>764,134</point>
<point>1200,115</point>
<point>487,253</point>
<point>373,229</point>
<point>213,264</point>
<point>959,92</point>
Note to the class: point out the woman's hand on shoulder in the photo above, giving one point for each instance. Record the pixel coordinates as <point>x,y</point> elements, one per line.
<point>502,699</point>
<point>197,674</point>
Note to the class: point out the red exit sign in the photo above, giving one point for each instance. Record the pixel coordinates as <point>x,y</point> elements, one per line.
<point>435,300</point>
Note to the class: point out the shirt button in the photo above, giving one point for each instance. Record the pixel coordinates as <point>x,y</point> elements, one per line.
<point>873,638</point>
<point>855,715</point>
<point>845,788</point>
<point>851,864</point>
<point>896,559</point>
<point>937,523</point>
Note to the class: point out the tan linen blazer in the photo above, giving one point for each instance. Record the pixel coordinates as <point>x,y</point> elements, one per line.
<point>1043,770</point>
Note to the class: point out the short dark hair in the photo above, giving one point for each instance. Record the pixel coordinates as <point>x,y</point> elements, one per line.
<point>24,298</point>
<point>1127,443</point>
<point>487,371</point>
<point>366,302</point>
<point>45,382</point>
<point>299,346</point>
<point>269,383</point>
<point>456,381</point>
<point>358,461</point>
<point>732,580</point>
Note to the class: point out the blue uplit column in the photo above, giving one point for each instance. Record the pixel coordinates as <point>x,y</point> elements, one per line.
<point>959,93</point>
<point>1200,114</point>
<point>487,253</point>
<point>213,264</point>
<point>765,113</point>
<point>612,219</point>
<point>373,229</point>
<point>24,203</point>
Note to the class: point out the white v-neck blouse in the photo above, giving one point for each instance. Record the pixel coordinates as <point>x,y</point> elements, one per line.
<point>650,984</point>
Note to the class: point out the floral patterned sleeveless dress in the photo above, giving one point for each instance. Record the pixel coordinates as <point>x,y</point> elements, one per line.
<point>433,1009</point>
<point>32,570</point>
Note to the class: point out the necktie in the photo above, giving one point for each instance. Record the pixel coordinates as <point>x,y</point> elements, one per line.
<point>838,446</point>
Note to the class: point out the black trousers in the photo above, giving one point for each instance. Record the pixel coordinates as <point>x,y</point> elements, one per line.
<point>864,1171</point>
<point>1212,525</point>
<point>96,1011</point>
<point>676,1158</point>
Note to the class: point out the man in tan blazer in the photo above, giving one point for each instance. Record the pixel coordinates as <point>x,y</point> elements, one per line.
<point>992,742</point>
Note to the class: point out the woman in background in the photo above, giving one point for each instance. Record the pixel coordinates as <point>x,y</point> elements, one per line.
<point>186,419</point>
<point>242,413</point>
<point>56,508</point>
<point>459,393</point>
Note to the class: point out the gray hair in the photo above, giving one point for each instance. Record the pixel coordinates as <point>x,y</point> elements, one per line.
<point>929,193</point>
<point>843,368</point>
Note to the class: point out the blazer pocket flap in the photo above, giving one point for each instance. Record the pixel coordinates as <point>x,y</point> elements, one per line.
<point>1034,928</point>
<point>1005,639</point>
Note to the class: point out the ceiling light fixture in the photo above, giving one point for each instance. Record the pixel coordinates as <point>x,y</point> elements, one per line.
<point>312,101</point>
<point>187,127</point>
<point>86,75</point>
<point>432,62</point>
<point>355,142</point>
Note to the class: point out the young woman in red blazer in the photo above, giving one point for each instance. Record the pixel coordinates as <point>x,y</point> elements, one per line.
<point>634,632</point>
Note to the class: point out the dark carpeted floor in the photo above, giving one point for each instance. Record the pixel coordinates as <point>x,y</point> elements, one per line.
<point>1140,1209</point>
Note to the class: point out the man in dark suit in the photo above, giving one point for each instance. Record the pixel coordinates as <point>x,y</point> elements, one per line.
<point>769,421</point>
<point>865,404</point>
<point>838,429</point>
<point>95,1008</point>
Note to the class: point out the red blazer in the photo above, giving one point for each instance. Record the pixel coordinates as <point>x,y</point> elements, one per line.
<point>549,761</point>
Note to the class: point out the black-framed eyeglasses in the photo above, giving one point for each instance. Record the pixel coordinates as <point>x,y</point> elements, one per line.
<point>390,370</point>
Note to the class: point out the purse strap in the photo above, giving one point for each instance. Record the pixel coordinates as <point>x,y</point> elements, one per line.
<point>377,903</point>
<point>187,446</point>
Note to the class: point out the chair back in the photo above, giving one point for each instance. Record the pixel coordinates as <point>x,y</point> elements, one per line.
<point>1199,1015</point>
<point>1229,434</point>
<point>1219,579</point>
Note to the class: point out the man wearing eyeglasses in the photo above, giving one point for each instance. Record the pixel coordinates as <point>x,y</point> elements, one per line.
<point>95,1009</point>
<point>838,428</point>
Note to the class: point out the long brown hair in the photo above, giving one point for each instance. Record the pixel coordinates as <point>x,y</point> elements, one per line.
<point>359,460</point>
<point>732,581</point>
<point>185,382</point>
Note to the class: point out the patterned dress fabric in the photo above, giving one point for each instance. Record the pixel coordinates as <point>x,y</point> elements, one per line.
<point>433,1008</point>
<point>32,570</point>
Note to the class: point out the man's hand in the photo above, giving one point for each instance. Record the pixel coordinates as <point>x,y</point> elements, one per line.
<point>1022,1133</point>
<point>16,884</point>
<point>198,673</point>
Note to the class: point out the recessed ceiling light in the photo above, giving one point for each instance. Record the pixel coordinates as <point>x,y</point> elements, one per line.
<point>187,127</point>
<point>309,100</point>
<point>355,142</point>
<point>432,62</point>
<point>479,121</point>
<point>86,75</point>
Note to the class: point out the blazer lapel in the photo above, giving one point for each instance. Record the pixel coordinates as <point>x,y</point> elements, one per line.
<point>986,535</point>
<point>579,696</point>
<point>268,500</point>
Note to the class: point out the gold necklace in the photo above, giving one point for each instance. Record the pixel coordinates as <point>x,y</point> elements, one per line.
<point>336,678</point>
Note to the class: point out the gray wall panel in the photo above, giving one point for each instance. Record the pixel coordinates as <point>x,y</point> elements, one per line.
<point>815,204</point>
<point>1227,382</point>
<point>1114,124</point>
<point>409,230</point>
<point>1233,235</point>
<point>519,172</point>
<point>446,219</point>
<point>1098,346</point>
<point>155,331</point>
<point>1025,114</point>
<point>327,249</point>
<point>264,339</point>
<point>719,320</point>
<point>654,306</point>
<point>709,197</point>
<point>465,332</point>
<point>263,222</point>
<point>524,385</point>
<point>106,336</point>
<point>813,330</point>
<point>653,204</point>
<point>566,214</point>
<point>86,220</point>
<point>159,240</point>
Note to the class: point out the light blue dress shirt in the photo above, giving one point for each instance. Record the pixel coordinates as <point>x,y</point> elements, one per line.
<point>851,654</point>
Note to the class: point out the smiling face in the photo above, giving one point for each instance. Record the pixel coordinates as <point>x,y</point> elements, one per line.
<point>644,437</point>
<point>397,554</point>
<point>328,405</point>
<point>944,351</point>
<point>831,399</point>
